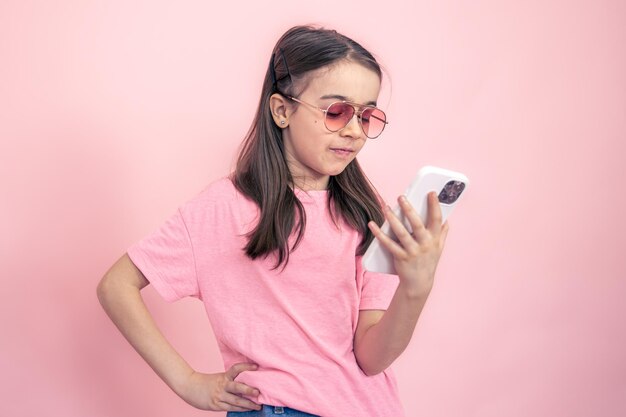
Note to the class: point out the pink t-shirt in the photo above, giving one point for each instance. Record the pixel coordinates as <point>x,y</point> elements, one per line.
<point>297,324</point>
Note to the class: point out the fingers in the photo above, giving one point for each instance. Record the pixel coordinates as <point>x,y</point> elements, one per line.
<point>238,368</point>
<point>228,406</point>
<point>394,248</point>
<point>417,225</point>
<point>233,395</point>
<point>224,406</point>
<point>434,213</point>
<point>444,234</point>
<point>420,233</point>
<point>432,228</point>
<point>233,390</point>
<point>240,388</point>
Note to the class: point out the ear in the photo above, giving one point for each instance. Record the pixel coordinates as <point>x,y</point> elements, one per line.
<point>280,108</point>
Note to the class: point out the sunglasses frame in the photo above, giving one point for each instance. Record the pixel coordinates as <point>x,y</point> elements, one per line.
<point>358,110</point>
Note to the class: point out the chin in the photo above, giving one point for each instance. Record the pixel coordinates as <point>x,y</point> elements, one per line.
<point>336,172</point>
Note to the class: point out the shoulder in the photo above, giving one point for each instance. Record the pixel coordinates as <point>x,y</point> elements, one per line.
<point>221,189</point>
<point>220,195</point>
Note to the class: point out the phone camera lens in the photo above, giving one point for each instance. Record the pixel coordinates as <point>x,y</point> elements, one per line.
<point>459,187</point>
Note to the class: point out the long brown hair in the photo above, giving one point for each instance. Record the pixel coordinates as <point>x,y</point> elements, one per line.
<point>262,173</point>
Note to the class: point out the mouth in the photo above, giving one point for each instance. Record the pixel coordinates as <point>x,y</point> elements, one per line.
<point>342,152</point>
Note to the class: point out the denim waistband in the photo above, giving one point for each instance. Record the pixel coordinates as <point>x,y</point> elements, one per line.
<point>271,411</point>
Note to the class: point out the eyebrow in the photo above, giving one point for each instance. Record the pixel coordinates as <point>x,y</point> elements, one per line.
<point>344,98</point>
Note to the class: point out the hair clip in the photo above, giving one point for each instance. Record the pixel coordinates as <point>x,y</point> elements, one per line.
<point>273,70</point>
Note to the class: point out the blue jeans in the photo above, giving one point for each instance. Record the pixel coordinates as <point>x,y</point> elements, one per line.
<point>270,411</point>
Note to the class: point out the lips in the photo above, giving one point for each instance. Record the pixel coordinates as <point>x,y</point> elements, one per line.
<point>343,153</point>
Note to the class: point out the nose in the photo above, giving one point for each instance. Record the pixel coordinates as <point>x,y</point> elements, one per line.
<point>353,128</point>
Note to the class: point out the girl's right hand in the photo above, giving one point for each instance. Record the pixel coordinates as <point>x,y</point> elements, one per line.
<point>220,392</point>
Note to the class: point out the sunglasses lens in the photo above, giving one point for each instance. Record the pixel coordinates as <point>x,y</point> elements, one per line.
<point>373,122</point>
<point>338,116</point>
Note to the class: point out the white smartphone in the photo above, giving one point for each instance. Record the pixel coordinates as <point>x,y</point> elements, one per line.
<point>449,186</point>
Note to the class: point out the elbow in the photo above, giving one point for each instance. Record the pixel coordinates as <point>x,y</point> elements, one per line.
<point>104,290</point>
<point>101,290</point>
<point>367,369</point>
<point>371,371</point>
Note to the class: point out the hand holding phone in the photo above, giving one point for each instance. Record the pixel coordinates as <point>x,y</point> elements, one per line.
<point>449,186</point>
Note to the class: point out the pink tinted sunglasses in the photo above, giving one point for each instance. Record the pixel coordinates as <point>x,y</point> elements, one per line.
<point>339,113</point>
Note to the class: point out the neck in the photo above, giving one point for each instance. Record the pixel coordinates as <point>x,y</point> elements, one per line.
<point>309,184</point>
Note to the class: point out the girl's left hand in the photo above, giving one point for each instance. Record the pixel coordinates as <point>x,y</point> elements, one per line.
<point>415,255</point>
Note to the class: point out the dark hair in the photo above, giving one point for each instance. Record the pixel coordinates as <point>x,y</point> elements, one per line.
<point>262,173</point>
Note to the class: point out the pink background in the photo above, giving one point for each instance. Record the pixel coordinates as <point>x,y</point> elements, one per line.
<point>112,113</point>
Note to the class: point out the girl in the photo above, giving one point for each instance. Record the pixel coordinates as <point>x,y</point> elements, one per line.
<point>274,252</point>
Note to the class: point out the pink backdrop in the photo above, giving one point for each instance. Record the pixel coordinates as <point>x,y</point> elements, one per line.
<point>114,113</point>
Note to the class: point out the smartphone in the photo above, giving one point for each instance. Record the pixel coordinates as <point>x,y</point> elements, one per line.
<point>449,185</point>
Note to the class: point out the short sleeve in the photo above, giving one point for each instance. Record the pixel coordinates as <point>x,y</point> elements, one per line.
<point>167,260</point>
<point>377,289</point>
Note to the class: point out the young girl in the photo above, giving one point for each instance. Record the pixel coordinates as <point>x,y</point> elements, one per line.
<point>274,253</point>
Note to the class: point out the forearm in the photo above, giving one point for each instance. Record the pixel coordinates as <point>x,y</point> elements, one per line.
<point>125,306</point>
<point>383,342</point>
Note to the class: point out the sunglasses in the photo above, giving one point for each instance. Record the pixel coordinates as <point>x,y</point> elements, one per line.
<point>337,116</point>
